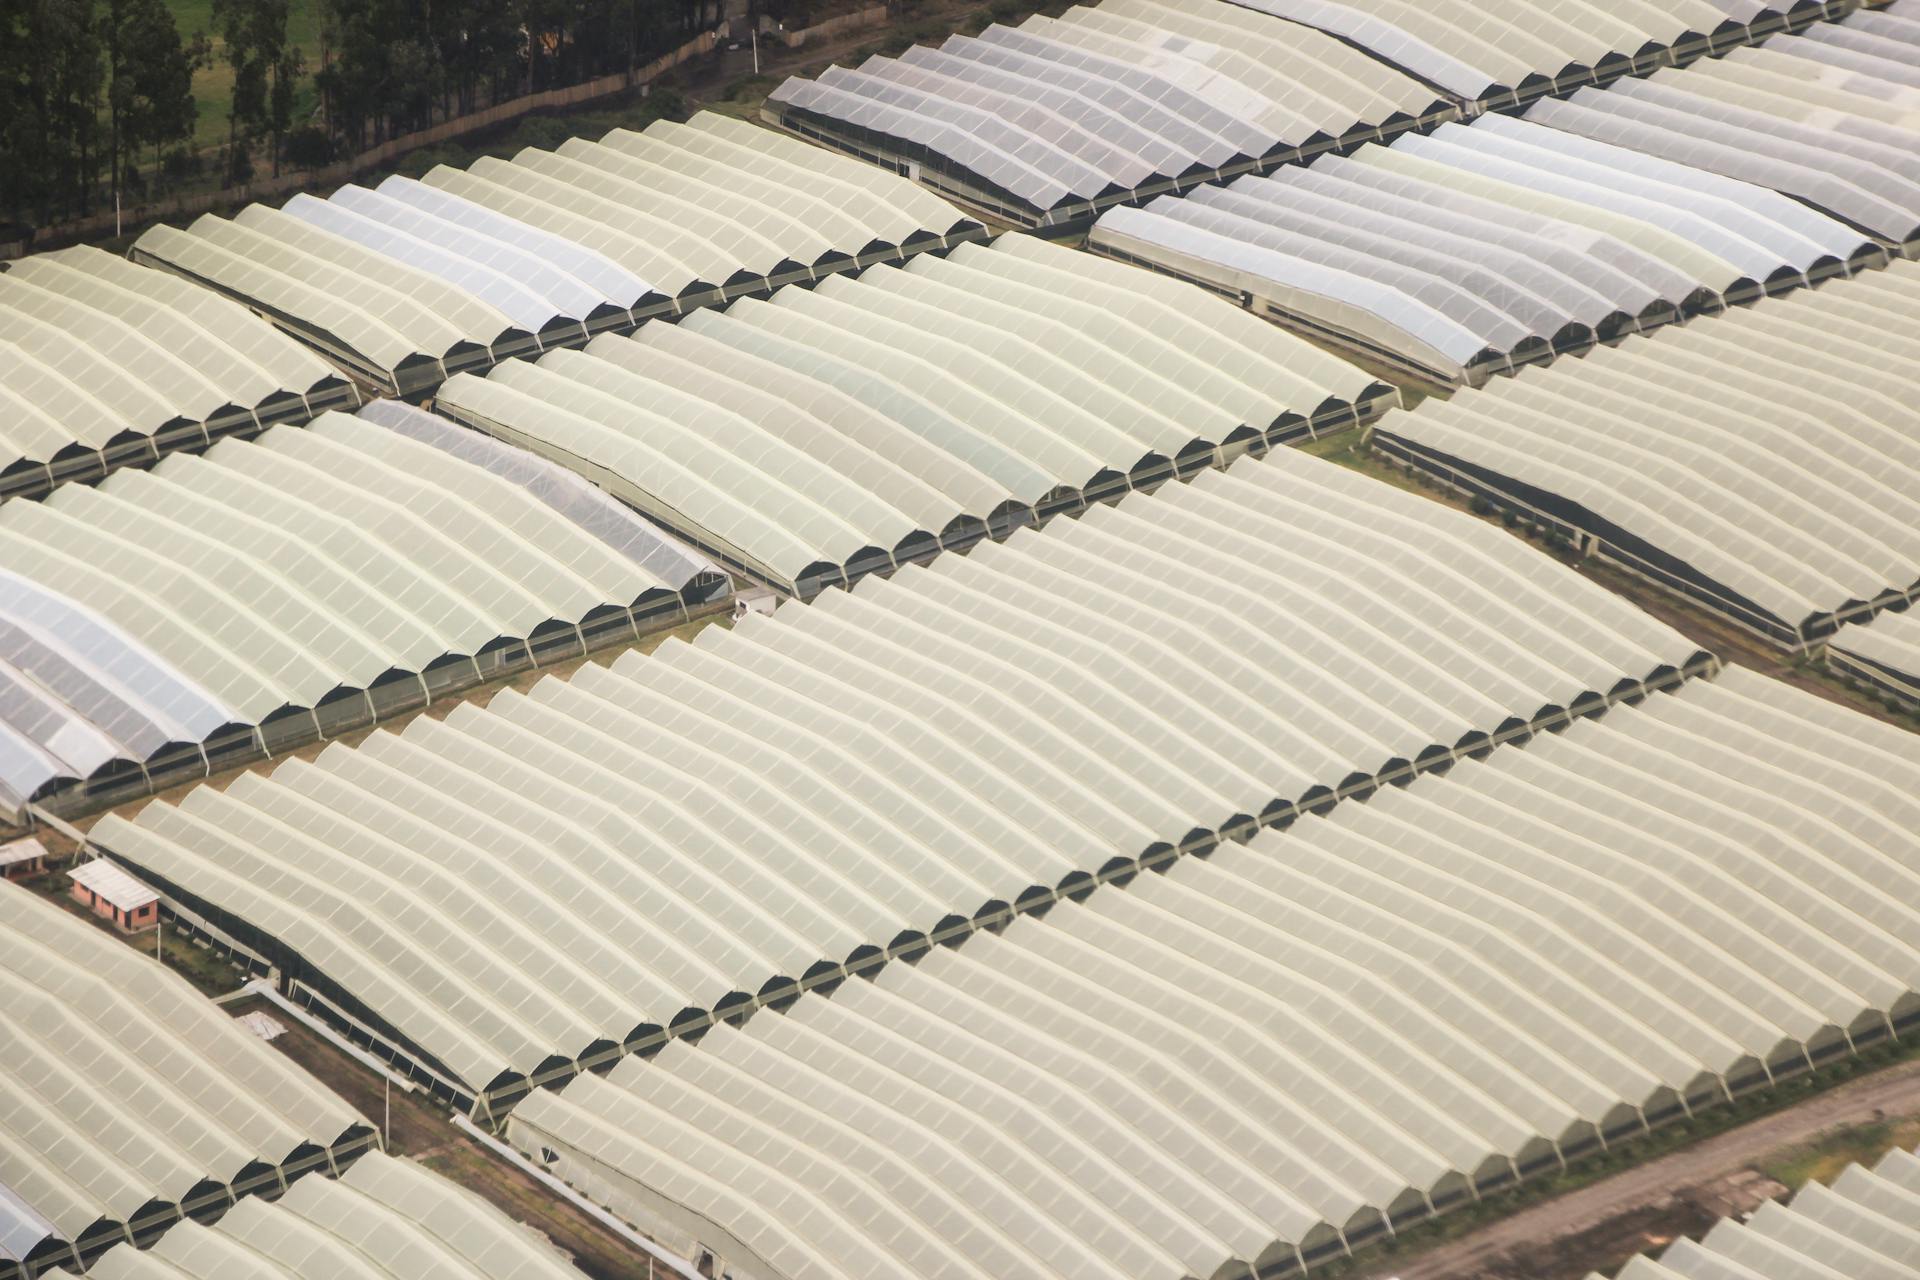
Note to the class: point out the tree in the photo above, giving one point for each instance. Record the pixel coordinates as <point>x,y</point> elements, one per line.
<point>478,44</point>
<point>21,145</point>
<point>266,70</point>
<point>385,69</point>
<point>149,82</point>
<point>50,77</point>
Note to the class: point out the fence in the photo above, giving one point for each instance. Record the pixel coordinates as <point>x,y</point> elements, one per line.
<point>857,21</point>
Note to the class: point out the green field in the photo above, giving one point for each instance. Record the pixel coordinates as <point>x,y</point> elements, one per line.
<point>213,86</point>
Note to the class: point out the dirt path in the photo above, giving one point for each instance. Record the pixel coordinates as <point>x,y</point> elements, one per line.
<point>420,1130</point>
<point>1615,1218</point>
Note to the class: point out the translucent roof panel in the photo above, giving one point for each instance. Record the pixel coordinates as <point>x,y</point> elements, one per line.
<point>1369,312</point>
<point>126,1088</point>
<point>399,280</point>
<point>1765,462</point>
<point>97,349</point>
<point>1884,650</point>
<point>1478,246</point>
<point>216,589</point>
<point>592,857</point>
<point>1101,100</point>
<point>1234,1063</point>
<point>1484,48</point>
<point>1824,123</point>
<point>867,416</point>
<point>1865,1222</point>
<point>383,1217</point>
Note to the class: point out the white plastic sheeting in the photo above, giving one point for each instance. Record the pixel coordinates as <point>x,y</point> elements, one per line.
<point>1477,247</point>
<point>1865,1223</point>
<point>522,254</point>
<point>1103,99</point>
<point>1259,1050</point>
<point>1834,124</point>
<point>1773,455</point>
<point>572,866</point>
<point>671,563</point>
<point>867,420</point>
<point>123,1087</point>
<point>1482,49</point>
<point>216,589</point>
<point>383,1218</point>
<point>94,349</point>
<point>1884,653</point>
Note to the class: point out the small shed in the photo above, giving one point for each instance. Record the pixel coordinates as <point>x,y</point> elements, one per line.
<point>22,858</point>
<point>114,895</point>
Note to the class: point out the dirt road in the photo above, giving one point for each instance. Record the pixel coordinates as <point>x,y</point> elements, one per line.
<point>1613,1219</point>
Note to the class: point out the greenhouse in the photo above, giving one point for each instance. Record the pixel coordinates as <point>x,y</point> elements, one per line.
<point>1262,1058</point>
<point>104,365</point>
<point>1883,655</point>
<point>1047,123</point>
<point>1478,249</point>
<point>1841,138</point>
<point>1497,54</point>
<point>577,871</point>
<point>862,424</point>
<point>412,281</point>
<point>223,607</point>
<point>130,1101</point>
<point>384,1217</point>
<point>1865,1222</point>
<point>1766,466</point>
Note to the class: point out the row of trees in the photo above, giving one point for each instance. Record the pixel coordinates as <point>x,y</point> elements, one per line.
<point>393,66</point>
<point>87,86</point>
<point>96,96</point>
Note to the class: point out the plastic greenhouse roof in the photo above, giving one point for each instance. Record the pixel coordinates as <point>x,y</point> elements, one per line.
<point>1839,139</point>
<point>472,258</point>
<point>164,604</point>
<point>384,1217</point>
<point>1494,237</point>
<point>1867,1220</point>
<point>1773,449</point>
<point>1106,97</point>
<point>96,347</point>
<point>1283,1040</point>
<point>931,743</point>
<point>905,399</point>
<point>99,1124</point>
<point>1472,48</point>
